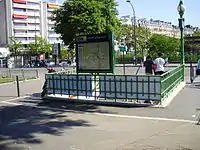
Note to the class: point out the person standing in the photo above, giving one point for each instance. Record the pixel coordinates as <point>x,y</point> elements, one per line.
<point>148,64</point>
<point>159,65</point>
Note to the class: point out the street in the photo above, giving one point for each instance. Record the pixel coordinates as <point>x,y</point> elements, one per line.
<point>31,123</point>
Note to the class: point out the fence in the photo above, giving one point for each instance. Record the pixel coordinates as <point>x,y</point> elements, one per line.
<point>113,88</point>
<point>170,80</point>
<point>9,75</point>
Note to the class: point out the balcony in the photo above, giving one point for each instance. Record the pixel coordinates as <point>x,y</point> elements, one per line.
<point>20,1</point>
<point>49,15</point>
<point>34,1</point>
<point>33,13</point>
<point>33,7</point>
<point>20,12</point>
<point>26,34</point>
<point>19,16</point>
<point>19,20</point>
<point>54,35</point>
<point>27,41</point>
<point>50,9</point>
<point>50,29</point>
<point>33,21</point>
<point>19,5</point>
<point>51,22</point>
<point>33,28</point>
<point>26,6</point>
<point>20,27</point>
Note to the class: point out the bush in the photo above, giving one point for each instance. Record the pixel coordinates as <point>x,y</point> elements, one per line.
<point>127,59</point>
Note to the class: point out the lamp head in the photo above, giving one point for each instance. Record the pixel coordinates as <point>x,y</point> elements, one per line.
<point>181,8</point>
<point>128,1</point>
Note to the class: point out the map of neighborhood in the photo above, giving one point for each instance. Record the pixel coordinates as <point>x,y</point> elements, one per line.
<point>94,56</point>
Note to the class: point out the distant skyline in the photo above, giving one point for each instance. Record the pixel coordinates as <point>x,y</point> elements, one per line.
<point>161,10</point>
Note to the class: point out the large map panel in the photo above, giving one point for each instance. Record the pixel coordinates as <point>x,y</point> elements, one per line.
<point>94,56</point>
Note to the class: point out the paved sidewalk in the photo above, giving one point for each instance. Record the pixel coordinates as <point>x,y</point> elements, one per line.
<point>9,91</point>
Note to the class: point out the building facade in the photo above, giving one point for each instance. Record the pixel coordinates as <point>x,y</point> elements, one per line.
<point>157,26</point>
<point>25,20</point>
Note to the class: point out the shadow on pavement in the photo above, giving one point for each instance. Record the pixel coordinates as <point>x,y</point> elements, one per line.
<point>78,106</point>
<point>19,124</point>
<point>194,85</point>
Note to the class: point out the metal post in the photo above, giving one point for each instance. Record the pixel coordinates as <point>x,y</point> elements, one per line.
<point>37,74</point>
<point>134,30</point>
<point>182,41</point>
<point>181,10</point>
<point>124,67</point>
<point>17,80</point>
<point>182,51</point>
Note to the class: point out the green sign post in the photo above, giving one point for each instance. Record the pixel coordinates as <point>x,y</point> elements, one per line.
<point>94,53</point>
<point>123,48</point>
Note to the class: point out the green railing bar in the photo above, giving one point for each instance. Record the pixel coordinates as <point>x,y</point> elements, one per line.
<point>171,85</point>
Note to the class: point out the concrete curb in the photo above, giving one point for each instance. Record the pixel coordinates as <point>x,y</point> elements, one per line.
<point>101,103</point>
<point>167,101</point>
<point>19,81</point>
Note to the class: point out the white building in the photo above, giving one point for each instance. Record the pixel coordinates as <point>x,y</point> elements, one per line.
<point>27,19</point>
<point>157,26</point>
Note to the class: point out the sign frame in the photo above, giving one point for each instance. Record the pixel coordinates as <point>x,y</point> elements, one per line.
<point>96,38</point>
<point>56,49</point>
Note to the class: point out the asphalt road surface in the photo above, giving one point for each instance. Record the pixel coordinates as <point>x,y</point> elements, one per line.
<point>47,126</point>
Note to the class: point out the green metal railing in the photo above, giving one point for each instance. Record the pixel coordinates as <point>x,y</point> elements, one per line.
<point>170,80</point>
<point>113,88</point>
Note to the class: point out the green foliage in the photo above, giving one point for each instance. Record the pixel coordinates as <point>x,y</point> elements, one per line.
<point>85,17</point>
<point>194,48</point>
<point>40,46</point>
<point>142,35</point>
<point>169,46</point>
<point>197,33</point>
<point>16,46</point>
<point>66,53</point>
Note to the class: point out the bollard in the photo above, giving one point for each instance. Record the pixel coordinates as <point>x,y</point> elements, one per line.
<point>17,81</point>
<point>37,74</point>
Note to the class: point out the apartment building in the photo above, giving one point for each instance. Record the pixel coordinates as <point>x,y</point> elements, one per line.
<point>47,24</point>
<point>157,26</point>
<point>27,19</point>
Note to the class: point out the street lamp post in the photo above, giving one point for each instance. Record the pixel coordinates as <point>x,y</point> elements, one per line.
<point>134,28</point>
<point>181,10</point>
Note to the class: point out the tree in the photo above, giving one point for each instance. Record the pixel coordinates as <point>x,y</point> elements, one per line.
<point>66,53</point>
<point>15,47</point>
<point>85,17</point>
<point>192,49</point>
<point>40,46</point>
<point>142,36</point>
<point>169,46</point>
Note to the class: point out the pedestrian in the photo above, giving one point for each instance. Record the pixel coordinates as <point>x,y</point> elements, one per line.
<point>148,64</point>
<point>159,65</point>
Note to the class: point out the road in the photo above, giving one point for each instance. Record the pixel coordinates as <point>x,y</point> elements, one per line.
<point>48,126</point>
<point>30,123</point>
<point>129,70</point>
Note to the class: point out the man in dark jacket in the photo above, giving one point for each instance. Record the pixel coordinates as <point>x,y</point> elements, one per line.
<point>148,64</point>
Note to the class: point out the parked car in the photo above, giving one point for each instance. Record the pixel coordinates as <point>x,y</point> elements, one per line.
<point>50,63</point>
<point>65,63</point>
